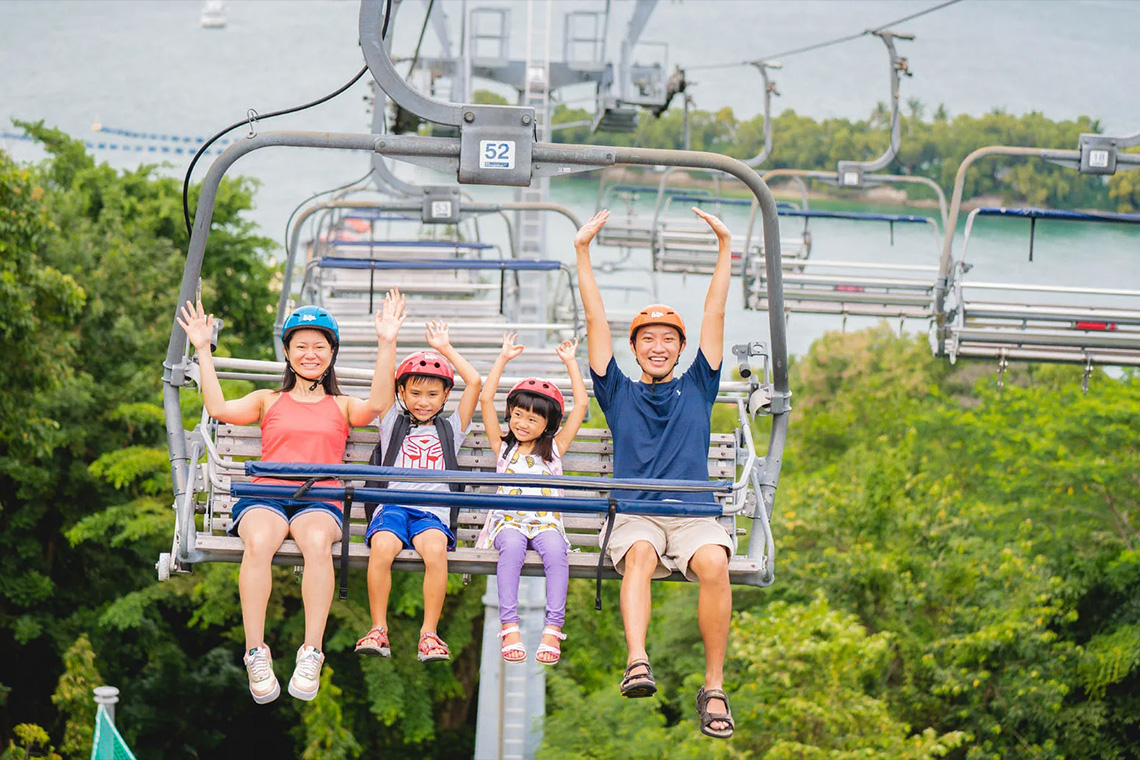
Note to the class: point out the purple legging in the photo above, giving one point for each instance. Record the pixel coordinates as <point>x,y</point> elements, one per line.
<point>550,545</point>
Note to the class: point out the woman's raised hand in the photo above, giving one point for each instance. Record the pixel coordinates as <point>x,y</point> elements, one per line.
<point>566,350</point>
<point>391,315</point>
<point>437,335</point>
<point>510,350</point>
<point>199,325</point>
<point>590,229</point>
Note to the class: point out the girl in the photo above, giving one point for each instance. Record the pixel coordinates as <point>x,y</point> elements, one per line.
<point>533,444</point>
<point>307,419</point>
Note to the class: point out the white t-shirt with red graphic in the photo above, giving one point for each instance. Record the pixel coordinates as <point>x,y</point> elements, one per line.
<point>421,450</point>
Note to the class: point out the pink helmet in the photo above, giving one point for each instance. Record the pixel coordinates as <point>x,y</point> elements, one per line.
<point>428,364</point>
<point>542,388</point>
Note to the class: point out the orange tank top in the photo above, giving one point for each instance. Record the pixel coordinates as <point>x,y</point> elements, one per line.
<point>312,433</point>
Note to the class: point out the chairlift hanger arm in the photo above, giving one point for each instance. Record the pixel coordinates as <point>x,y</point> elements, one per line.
<point>769,91</point>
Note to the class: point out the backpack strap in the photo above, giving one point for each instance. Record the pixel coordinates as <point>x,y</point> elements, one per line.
<point>451,462</point>
<point>387,456</point>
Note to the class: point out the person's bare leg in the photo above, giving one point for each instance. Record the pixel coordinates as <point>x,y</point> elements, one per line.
<point>432,546</point>
<point>382,552</point>
<point>262,531</point>
<point>315,533</point>
<point>640,562</point>
<point>714,615</point>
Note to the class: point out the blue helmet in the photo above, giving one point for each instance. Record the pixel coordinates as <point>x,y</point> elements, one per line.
<point>312,317</point>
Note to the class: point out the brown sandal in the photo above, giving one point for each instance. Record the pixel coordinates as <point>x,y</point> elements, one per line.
<point>708,718</point>
<point>636,685</point>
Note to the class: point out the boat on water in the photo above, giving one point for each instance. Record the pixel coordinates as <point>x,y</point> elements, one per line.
<point>213,15</point>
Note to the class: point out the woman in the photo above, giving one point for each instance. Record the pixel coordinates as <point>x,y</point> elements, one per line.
<point>307,419</point>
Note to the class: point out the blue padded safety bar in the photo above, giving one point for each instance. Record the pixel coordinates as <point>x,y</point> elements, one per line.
<point>333,262</point>
<point>1048,213</point>
<point>409,475</point>
<point>674,191</point>
<point>376,215</point>
<point>813,214</point>
<point>486,500</point>
<point>443,244</point>
<point>781,205</point>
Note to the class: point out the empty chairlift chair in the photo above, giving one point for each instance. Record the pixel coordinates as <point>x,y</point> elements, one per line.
<point>897,283</point>
<point>1052,306</point>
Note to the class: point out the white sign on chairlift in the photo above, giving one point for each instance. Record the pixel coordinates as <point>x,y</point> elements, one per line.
<point>496,154</point>
<point>440,209</point>
<point>1098,159</point>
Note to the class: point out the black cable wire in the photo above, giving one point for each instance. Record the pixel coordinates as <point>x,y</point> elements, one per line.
<point>282,112</point>
<point>423,31</point>
<point>828,43</point>
<point>314,196</point>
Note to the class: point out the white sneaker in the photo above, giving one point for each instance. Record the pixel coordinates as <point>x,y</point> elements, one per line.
<point>263,684</point>
<point>306,680</point>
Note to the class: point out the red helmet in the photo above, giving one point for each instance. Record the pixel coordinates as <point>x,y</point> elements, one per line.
<point>541,387</point>
<point>428,364</point>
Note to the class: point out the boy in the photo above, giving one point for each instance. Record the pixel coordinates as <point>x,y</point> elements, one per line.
<point>421,383</point>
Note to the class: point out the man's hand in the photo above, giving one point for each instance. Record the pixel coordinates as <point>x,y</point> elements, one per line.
<point>723,235</point>
<point>590,229</point>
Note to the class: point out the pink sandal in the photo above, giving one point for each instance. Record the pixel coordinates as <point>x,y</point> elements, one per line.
<point>547,649</point>
<point>428,642</point>
<point>375,642</point>
<point>510,649</point>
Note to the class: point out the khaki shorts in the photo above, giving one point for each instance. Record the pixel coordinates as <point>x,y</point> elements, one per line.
<point>677,538</point>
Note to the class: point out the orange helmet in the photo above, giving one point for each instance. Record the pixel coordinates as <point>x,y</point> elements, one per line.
<point>657,314</point>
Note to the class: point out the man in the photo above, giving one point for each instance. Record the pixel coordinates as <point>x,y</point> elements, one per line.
<point>661,425</point>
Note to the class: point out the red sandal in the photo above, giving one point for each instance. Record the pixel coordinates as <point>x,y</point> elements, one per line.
<point>429,642</point>
<point>375,642</point>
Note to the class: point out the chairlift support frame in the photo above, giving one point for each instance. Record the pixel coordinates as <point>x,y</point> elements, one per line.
<point>499,124</point>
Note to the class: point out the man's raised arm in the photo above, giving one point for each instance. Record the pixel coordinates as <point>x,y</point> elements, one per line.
<point>712,322</point>
<point>599,346</point>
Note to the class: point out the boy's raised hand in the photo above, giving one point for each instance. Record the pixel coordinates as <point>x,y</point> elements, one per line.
<point>720,228</point>
<point>510,350</point>
<point>567,350</point>
<point>391,315</point>
<point>590,229</point>
<point>198,325</point>
<point>437,335</point>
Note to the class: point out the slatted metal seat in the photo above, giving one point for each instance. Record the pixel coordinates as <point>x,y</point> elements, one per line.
<point>591,454</point>
<point>902,289</point>
<point>1038,321</point>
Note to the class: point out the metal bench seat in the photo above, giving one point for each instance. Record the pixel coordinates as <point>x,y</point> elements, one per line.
<point>591,454</point>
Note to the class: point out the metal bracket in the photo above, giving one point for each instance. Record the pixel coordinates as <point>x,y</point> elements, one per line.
<point>495,145</point>
<point>781,403</point>
<point>744,351</point>
<point>441,205</point>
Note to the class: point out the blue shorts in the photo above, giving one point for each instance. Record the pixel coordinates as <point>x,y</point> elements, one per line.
<point>405,524</point>
<point>290,509</point>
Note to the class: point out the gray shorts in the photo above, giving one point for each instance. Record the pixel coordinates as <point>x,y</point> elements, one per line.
<point>677,538</point>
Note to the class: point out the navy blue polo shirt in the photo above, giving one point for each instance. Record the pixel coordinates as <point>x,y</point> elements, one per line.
<point>660,430</point>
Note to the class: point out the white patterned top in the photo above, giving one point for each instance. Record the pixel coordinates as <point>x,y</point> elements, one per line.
<point>529,524</point>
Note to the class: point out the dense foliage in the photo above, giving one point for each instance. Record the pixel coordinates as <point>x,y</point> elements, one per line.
<point>931,147</point>
<point>958,570</point>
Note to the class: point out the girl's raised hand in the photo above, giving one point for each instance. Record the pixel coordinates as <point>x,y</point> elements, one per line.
<point>590,229</point>
<point>198,325</point>
<point>510,350</point>
<point>567,349</point>
<point>718,227</point>
<point>391,315</point>
<point>437,335</point>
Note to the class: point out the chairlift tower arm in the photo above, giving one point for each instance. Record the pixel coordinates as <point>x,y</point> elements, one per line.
<point>851,172</point>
